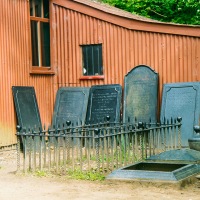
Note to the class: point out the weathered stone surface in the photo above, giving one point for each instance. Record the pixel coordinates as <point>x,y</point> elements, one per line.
<point>71,105</point>
<point>28,115</point>
<point>186,156</point>
<point>140,94</point>
<point>146,171</point>
<point>182,99</point>
<point>104,100</point>
<point>26,107</point>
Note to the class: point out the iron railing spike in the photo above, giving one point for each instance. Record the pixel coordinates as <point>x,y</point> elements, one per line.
<point>179,119</point>
<point>18,128</point>
<point>68,123</point>
<point>164,121</point>
<point>197,129</point>
<point>107,118</point>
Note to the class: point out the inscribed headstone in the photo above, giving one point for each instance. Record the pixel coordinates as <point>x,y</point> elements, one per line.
<point>104,100</point>
<point>140,94</point>
<point>182,100</point>
<point>26,106</point>
<point>71,105</point>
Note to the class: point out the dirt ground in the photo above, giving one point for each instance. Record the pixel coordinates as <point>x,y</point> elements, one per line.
<point>29,187</point>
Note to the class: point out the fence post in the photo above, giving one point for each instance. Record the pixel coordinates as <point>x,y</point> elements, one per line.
<point>164,134</point>
<point>141,126</point>
<point>179,119</point>
<point>97,134</point>
<point>18,147</point>
<point>68,140</point>
<point>24,149</point>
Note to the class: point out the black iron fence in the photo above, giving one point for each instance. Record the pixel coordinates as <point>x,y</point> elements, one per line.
<point>101,147</point>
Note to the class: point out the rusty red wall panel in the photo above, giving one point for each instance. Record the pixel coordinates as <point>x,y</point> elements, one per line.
<point>174,57</point>
<point>14,68</point>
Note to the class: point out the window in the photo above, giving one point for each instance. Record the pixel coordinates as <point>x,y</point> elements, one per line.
<point>92,60</point>
<point>40,33</point>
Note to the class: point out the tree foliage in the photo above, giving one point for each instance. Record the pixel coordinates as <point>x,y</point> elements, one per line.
<point>176,11</point>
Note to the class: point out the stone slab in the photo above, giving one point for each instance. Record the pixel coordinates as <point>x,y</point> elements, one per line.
<point>104,100</point>
<point>26,106</point>
<point>140,95</point>
<point>163,172</point>
<point>71,105</point>
<point>186,156</point>
<point>182,100</point>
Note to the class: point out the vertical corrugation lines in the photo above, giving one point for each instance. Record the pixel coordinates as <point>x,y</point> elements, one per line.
<point>172,56</point>
<point>14,68</point>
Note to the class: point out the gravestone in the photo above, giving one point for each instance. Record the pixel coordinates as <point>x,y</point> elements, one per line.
<point>182,99</point>
<point>71,105</point>
<point>140,95</point>
<point>28,115</point>
<point>26,107</point>
<point>104,100</point>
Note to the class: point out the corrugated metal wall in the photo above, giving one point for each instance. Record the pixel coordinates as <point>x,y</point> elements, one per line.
<point>174,57</point>
<point>14,68</point>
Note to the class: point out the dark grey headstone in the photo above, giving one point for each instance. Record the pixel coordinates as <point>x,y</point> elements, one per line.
<point>140,94</point>
<point>104,100</point>
<point>71,105</point>
<point>26,107</point>
<point>182,99</point>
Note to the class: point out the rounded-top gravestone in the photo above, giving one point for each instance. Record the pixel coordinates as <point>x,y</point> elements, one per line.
<point>140,94</point>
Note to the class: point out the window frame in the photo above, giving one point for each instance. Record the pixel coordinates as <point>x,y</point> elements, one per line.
<point>93,76</point>
<point>40,69</point>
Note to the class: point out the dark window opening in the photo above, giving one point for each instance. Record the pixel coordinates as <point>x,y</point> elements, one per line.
<point>40,33</point>
<point>92,60</point>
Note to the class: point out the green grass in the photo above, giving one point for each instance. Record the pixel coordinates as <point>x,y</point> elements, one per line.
<point>39,173</point>
<point>85,175</point>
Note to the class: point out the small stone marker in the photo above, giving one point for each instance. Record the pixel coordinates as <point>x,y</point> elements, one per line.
<point>71,105</point>
<point>104,100</point>
<point>26,106</point>
<point>140,95</point>
<point>182,99</point>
